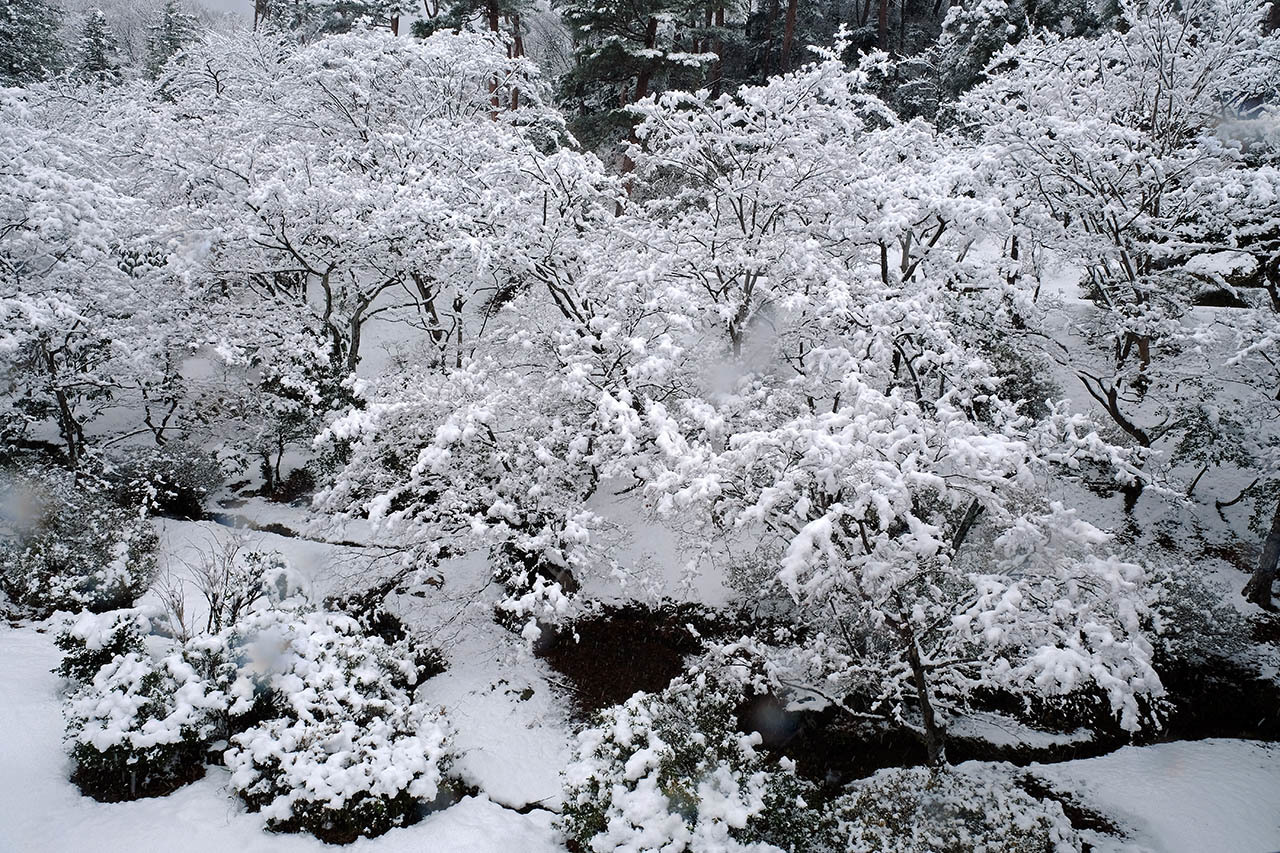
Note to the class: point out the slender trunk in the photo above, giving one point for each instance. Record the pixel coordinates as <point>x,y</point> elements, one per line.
<point>883,25</point>
<point>1258,590</point>
<point>935,736</point>
<point>395,25</point>
<point>643,77</point>
<point>788,36</point>
<point>717,47</point>
<point>72,432</point>
<point>770,27</point>
<point>495,25</point>
<point>353,351</point>
<point>517,51</point>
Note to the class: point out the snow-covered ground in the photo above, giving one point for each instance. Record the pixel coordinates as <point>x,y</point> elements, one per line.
<point>1185,797</point>
<point>42,812</point>
<point>1212,796</point>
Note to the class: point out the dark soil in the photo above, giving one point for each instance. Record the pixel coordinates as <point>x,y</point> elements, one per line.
<point>621,650</point>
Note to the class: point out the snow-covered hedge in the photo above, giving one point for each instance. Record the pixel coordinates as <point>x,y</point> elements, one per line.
<point>958,810</point>
<point>142,727</point>
<point>94,640</point>
<point>670,771</point>
<point>325,736</point>
<point>346,751</point>
<point>71,547</point>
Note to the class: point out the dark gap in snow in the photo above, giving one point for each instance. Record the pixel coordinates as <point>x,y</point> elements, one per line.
<point>1081,816</point>
<point>624,649</point>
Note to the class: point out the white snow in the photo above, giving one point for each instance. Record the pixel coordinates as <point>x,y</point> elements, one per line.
<point>1183,797</point>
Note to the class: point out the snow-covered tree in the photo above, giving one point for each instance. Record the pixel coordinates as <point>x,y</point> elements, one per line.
<point>29,46</point>
<point>783,337</point>
<point>97,59</point>
<point>1132,144</point>
<point>172,30</point>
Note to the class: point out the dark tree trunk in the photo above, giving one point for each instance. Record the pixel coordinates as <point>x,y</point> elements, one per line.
<point>788,36</point>
<point>1259,588</point>
<point>717,47</point>
<point>769,30</point>
<point>883,25</point>
<point>643,76</point>
<point>935,736</point>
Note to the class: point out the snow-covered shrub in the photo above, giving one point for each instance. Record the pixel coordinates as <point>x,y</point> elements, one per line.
<point>70,547</point>
<point>142,727</point>
<point>344,751</point>
<point>173,479</point>
<point>232,578</point>
<point>94,640</point>
<point>670,771</point>
<point>957,810</point>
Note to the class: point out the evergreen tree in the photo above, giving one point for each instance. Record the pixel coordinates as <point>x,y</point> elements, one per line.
<point>29,46</point>
<point>311,18</point>
<point>174,29</point>
<point>97,54</point>
<point>626,50</point>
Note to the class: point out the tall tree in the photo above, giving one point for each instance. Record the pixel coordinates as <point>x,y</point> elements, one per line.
<point>170,32</point>
<point>97,54</point>
<point>29,45</point>
<point>625,51</point>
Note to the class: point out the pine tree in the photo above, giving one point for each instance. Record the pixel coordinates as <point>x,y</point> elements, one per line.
<point>310,18</point>
<point>29,46</point>
<point>625,51</point>
<point>174,29</point>
<point>97,54</point>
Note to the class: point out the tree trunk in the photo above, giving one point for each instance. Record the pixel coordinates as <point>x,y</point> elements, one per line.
<point>935,737</point>
<point>883,24</point>
<point>769,30</point>
<point>1258,590</point>
<point>717,47</point>
<point>788,36</point>
<point>643,76</point>
<point>72,431</point>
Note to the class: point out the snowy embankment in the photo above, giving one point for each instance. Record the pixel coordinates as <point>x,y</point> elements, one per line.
<point>1186,797</point>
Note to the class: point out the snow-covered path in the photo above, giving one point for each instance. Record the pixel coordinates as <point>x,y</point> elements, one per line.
<point>41,812</point>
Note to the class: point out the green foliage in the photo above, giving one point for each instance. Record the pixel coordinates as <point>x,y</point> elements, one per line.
<point>675,767</point>
<point>172,31</point>
<point>142,727</point>
<point>312,18</point>
<point>173,479</point>
<point>93,641</point>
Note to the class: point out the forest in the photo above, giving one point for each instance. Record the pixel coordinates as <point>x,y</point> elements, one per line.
<point>661,426</point>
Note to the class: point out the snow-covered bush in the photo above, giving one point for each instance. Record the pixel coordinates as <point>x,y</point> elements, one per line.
<point>142,727</point>
<point>345,751</point>
<point>670,771</point>
<point>95,640</point>
<point>909,810</point>
<point>70,547</point>
<point>172,479</point>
